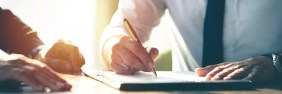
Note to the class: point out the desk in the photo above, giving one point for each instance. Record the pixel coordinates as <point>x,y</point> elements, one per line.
<point>85,85</point>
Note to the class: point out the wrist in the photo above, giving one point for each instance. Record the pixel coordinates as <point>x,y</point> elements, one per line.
<point>107,48</point>
<point>277,63</point>
<point>36,53</point>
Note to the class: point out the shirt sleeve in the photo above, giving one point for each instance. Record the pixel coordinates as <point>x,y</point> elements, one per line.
<point>142,14</point>
<point>16,36</point>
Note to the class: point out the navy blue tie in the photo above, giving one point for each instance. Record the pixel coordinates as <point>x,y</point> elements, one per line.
<point>213,31</point>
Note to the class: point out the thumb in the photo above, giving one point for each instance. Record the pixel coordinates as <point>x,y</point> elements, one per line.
<point>154,52</point>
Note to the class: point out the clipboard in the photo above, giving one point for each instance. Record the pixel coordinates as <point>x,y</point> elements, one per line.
<point>166,81</point>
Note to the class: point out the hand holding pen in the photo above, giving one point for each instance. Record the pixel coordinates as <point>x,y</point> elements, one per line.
<point>134,36</point>
<point>124,55</point>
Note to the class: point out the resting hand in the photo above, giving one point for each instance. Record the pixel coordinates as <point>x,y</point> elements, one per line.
<point>31,72</point>
<point>126,56</point>
<point>257,69</point>
<point>64,57</point>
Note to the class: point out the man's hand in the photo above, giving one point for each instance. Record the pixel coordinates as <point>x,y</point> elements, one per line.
<point>64,57</point>
<point>256,69</point>
<point>31,72</point>
<point>126,56</point>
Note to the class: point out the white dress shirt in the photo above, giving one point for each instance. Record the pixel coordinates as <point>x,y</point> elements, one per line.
<point>251,27</point>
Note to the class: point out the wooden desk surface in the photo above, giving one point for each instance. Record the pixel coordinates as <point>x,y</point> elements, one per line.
<point>85,85</point>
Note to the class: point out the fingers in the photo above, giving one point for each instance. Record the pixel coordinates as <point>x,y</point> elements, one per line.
<point>76,59</point>
<point>52,81</point>
<point>25,76</point>
<point>50,73</point>
<point>132,54</point>
<point>65,50</point>
<point>33,74</point>
<point>238,73</point>
<point>58,65</point>
<point>154,52</point>
<point>139,51</point>
<point>228,71</point>
<point>224,74</point>
<point>224,71</point>
<point>116,65</point>
<point>36,81</point>
<point>129,58</point>
<point>204,71</point>
<point>217,72</point>
<point>119,69</point>
<point>119,65</point>
<point>256,69</point>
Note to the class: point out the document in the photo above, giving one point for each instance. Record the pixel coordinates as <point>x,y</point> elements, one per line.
<point>148,77</point>
<point>166,80</point>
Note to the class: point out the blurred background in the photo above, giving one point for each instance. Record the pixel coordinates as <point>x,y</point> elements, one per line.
<point>82,22</point>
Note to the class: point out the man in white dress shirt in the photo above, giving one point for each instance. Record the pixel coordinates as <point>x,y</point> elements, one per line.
<point>251,33</point>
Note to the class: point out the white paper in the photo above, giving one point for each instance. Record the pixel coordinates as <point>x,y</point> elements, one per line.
<point>149,77</point>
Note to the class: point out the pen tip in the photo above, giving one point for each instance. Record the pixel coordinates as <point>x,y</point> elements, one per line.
<point>155,73</point>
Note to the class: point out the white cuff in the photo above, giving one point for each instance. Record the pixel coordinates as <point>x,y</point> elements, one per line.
<point>35,51</point>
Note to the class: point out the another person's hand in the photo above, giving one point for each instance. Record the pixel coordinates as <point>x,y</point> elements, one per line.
<point>64,57</point>
<point>256,69</point>
<point>31,72</point>
<point>126,56</point>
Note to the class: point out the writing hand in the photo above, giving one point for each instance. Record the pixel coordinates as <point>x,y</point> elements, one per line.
<point>127,56</point>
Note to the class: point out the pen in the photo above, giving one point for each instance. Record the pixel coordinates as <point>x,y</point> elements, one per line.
<point>134,36</point>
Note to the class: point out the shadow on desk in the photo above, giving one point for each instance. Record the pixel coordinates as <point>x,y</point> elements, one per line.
<point>10,86</point>
<point>270,85</point>
<point>85,85</point>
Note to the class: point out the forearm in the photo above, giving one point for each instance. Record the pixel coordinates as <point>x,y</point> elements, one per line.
<point>17,36</point>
